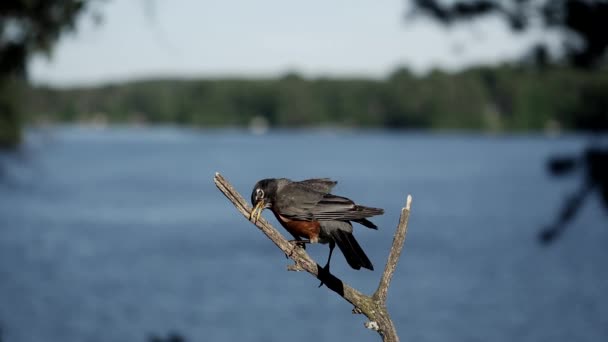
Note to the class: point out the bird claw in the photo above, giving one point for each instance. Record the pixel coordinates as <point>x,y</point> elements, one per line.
<point>299,243</point>
<point>295,244</point>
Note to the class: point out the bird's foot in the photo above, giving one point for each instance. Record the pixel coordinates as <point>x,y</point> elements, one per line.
<point>296,244</point>
<point>299,243</point>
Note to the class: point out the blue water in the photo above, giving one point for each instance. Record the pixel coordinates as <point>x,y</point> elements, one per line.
<point>120,234</point>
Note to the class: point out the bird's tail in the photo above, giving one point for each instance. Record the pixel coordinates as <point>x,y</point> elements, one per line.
<point>367,212</point>
<point>353,253</point>
<point>367,223</point>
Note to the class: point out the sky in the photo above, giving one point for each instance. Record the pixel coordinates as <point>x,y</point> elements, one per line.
<point>141,39</point>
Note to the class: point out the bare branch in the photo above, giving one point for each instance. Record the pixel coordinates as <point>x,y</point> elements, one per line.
<point>393,257</point>
<point>374,309</point>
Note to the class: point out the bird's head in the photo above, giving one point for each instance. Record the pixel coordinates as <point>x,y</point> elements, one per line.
<point>262,196</point>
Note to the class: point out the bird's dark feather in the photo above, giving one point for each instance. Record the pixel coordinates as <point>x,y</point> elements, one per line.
<point>367,223</point>
<point>353,253</point>
<point>323,185</point>
<point>303,202</point>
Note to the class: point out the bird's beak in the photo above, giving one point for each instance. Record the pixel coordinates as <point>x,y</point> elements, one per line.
<point>257,211</point>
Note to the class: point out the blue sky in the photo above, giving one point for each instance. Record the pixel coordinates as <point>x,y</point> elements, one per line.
<point>196,38</point>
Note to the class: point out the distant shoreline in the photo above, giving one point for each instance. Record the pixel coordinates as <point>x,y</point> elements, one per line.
<point>484,99</point>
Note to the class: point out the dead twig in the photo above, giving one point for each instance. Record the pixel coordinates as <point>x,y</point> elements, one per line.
<point>374,307</point>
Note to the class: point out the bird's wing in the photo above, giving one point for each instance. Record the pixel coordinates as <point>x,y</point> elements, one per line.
<point>333,207</point>
<point>296,200</point>
<point>301,201</point>
<point>323,185</point>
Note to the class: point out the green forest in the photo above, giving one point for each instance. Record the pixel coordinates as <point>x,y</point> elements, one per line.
<point>505,98</point>
<point>540,92</point>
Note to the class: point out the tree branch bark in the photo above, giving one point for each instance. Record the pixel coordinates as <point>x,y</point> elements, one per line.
<point>374,307</point>
<point>393,257</point>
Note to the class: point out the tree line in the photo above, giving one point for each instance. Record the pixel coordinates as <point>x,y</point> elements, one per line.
<point>503,98</point>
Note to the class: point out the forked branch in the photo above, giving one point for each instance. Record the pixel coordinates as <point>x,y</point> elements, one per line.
<point>374,307</point>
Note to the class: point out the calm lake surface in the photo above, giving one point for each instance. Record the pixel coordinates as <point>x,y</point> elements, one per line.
<point>120,234</point>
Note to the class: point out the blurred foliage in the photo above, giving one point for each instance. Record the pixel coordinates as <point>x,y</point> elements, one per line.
<point>504,98</point>
<point>582,23</point>
<point>10,123</point>
<point>27,27</point>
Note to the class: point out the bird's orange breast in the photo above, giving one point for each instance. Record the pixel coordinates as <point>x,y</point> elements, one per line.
<point>304,229</point>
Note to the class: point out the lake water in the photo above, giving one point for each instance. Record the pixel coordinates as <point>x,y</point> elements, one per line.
<point>120,234</point>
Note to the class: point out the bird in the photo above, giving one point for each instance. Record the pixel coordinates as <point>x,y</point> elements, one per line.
<point>311,214</point>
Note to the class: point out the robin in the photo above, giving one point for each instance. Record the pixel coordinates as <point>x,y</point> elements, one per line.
<point>308,211</point>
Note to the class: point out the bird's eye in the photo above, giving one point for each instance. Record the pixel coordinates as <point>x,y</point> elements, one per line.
<point>259,193</point>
